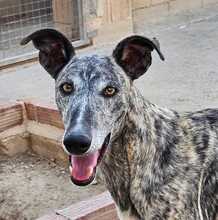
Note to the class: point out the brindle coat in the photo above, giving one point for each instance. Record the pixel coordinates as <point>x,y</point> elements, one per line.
<point>159,165</point>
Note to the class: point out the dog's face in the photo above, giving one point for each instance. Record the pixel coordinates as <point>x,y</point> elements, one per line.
<point>92,93</point>
<point>92,96</point>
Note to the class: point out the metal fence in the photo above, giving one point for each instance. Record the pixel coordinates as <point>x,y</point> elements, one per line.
<point>21,17</point>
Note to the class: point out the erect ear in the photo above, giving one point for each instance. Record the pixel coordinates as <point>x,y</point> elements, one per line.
<point>55,50</point>
<point>133,54</point>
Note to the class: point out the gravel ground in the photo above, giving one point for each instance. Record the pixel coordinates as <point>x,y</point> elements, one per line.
<point>32,187</point>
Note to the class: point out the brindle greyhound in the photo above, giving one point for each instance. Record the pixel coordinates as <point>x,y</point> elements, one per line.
<point>156,163</point>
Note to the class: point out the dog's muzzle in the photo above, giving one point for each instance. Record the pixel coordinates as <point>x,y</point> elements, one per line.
<point>83,167</point>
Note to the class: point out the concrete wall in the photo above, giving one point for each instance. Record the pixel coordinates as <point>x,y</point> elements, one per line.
<point>107,20</point>
<point>66,17</point>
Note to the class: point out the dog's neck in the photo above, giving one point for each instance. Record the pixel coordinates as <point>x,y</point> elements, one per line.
<point>153,135</point>
<point>146,141</point>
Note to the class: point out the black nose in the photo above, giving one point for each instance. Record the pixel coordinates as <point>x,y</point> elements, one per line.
<point>77,143</point>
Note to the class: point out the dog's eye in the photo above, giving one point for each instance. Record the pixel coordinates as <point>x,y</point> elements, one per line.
<point>66,88</point>
<point>109,91</point>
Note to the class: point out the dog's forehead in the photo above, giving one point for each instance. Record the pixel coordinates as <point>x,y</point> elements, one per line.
<point>91,67</point>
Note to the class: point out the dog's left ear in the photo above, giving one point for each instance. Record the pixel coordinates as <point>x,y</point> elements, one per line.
<point>133,54</point>
<point>55,50</point>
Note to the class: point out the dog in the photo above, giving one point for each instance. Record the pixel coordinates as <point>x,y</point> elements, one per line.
<point>156,163</point>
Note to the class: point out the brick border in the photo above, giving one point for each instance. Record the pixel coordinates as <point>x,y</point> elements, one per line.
<point>13,114</point>
<point>10,115</point>
<point>97,208</point>
<point>44,114</point>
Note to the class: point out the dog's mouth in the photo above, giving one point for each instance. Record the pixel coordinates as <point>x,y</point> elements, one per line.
<point>83,168</point>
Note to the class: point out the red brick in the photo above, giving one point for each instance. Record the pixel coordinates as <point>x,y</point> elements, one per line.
<point>10,116</point>
<point>30,110</point>
<point>98,207</point>
<point>107,213</point>
<point>44,113</point>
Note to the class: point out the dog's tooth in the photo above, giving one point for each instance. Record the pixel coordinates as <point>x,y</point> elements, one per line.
<point>94,182</point>
<point>70,168</point>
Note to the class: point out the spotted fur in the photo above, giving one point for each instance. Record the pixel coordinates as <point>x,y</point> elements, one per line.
<point>159,165</point>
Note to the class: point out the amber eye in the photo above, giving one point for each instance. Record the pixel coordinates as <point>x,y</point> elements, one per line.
<point>66,88</point>
<point>109,91</point>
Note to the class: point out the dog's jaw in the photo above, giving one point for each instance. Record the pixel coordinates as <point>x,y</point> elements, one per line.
<point>83,167</point>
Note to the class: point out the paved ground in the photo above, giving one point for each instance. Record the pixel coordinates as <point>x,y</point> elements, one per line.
<point>188,80</point>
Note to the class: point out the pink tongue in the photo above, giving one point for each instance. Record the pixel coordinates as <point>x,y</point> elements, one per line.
<point>83,167</point>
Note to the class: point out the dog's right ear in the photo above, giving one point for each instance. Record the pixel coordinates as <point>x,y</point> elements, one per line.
<point>55,50</point>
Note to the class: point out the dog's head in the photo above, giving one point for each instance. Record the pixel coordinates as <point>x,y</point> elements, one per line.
<point>92,93</point>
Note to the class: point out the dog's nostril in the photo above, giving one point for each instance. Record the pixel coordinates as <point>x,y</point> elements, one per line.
<point>77,143</point>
